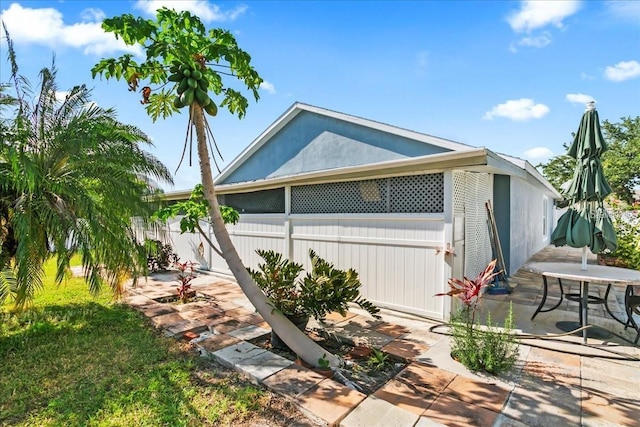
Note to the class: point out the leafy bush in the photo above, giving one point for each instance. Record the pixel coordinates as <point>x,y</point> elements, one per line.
<point>490,349</point>
<point>159,256</point>
<point>480,349</point>
<point>627,225</point>
<point>323,290</point>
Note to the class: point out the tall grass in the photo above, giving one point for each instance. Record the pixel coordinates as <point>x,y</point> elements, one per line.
<point>73,359</point>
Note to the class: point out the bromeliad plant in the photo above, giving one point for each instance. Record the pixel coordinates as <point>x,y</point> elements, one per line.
<point>489,349</point>
<point>184,277</point>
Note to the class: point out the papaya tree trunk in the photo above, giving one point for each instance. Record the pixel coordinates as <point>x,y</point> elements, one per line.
<point>297,340</point>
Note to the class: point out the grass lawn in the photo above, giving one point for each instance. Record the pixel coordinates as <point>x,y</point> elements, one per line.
<point>76,360</point>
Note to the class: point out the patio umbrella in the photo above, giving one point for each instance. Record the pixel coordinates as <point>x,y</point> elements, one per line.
<point>586,222</point>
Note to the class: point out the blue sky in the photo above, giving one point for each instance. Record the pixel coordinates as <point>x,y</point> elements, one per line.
<point>512,76</point>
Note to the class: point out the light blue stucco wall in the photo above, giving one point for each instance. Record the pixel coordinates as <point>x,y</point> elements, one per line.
<point>312,142</point>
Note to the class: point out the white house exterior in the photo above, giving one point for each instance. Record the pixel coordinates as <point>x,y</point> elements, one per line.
<point>404,209</point>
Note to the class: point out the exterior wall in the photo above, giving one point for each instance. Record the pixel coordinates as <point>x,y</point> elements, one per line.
<point>527,234</point>
<point>311,142</point>
<point>398,257</point>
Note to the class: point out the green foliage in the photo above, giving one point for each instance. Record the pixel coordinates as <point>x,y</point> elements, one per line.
<point>81,360</point>
<point>378,360</point>
<point>621,162</point>
<point>71,179</point>
<point>277,279</point>
<point>194,210</point>
<point>323,290</point>
<point>185,276</point>
<point>179,39</point>
<point>323,362</point>
<point>627,225</point>
<point>491,349</point>
<point>160,256</point>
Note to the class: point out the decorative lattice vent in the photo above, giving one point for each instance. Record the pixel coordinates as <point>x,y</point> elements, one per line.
<point>265,201</point>
<point>408,194</point>
<point>479,189</point>
<point>458,193</point>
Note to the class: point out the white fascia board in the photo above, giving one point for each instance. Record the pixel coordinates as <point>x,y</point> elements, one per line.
<point>533,172</point>
<point>450,160</point>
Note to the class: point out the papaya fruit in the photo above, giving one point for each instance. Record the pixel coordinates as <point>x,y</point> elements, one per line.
<point>183,85</point>
<point>188,96</point>
<point>211,109</point>
<point>203,84</point>
<point>196,74</point>
<point>193,83</point>
<point>202,97</point>
<point>186,72</point>
<point>174,78</point>
<point>177,102</point>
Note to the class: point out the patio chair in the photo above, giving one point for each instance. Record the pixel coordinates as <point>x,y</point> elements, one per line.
<point>632,305</point>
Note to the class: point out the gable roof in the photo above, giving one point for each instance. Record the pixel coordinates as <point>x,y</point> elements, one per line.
<point>327,148</point>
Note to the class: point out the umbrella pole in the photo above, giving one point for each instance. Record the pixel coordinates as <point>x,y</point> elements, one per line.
<point>584,258</point>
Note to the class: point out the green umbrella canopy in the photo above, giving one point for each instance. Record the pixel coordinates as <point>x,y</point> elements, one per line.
<point>586,222</point>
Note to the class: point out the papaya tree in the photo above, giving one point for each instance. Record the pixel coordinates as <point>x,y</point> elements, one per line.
<point>189,68</point>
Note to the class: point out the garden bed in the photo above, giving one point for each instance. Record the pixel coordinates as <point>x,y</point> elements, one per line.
<point>365,369</point>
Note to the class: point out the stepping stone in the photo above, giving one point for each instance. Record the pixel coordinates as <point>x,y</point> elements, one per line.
<point>237,353</point>
<point>450,411</point>
<point>249,332</point>
<point>215,343</point>
<point>293,380</point>
<point>374,412</point>
<point>262,365</point>
<point>329,402</point>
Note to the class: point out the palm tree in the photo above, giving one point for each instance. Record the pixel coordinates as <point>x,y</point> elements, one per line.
<point>71,178</point>
<point>179,41</point>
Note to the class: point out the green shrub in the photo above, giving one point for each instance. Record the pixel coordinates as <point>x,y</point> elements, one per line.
<point>160,256</point>
<point>627,225</point>
<point>490,349</point>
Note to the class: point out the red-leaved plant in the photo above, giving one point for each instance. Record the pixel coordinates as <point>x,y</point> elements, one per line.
<point>470,291</point>
<point>185,276</point>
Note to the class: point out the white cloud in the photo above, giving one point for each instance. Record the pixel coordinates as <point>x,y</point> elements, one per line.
<point>624,10</point>
<point>585,76</point>
<point>518,110</point>
<point>268,87</point>
<point>45,26</point>
<point>539,41</point>
<point>579,98</point>
<point>623,70</point>
<point>201,8</point>
<point>538,14</point>
<point>538,153</point>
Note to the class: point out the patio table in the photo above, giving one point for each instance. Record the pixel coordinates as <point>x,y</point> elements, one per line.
<point>614,276</point>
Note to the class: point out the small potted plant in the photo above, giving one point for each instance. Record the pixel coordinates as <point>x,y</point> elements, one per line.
<point>488,349</point>
<point>323,290</point>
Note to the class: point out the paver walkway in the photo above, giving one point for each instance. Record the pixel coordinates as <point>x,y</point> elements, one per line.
<point>557,382</point>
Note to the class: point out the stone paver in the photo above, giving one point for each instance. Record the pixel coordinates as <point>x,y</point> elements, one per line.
<point>249,332</point>
<point>262,365</point>
<point>483,394</point>
<point>547,388</point>
<point>416,387</point>
<point>293,380</point>
<point>215,343</point>
<point>237,353</point>
<point>455,413</point>
<point>329,401</point>
<point>405,349</point>
<point>374,412</point>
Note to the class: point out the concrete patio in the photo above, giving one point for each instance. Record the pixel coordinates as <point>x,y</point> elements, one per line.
<point>557,380</point>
